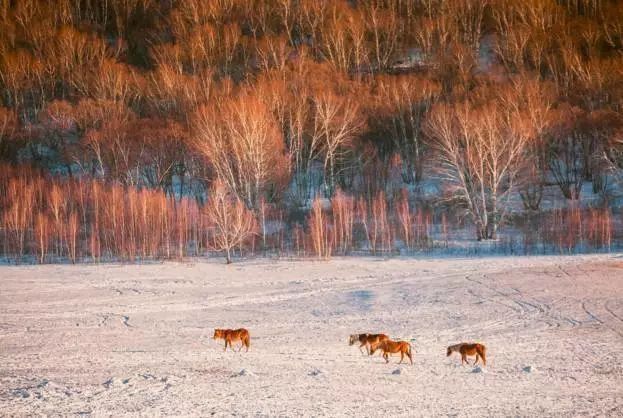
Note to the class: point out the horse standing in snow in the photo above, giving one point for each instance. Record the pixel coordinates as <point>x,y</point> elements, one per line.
<point>367,340</point>
<point>469,349</point>
<point>391,347</point>
<point>231,335</point>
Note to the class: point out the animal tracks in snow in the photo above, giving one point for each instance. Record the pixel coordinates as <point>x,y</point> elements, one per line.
<point>137,339</point>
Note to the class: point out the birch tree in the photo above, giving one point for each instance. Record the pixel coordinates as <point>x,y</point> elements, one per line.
<point>337,119</point>
<point>407,100</point>
<point>241,141</point>
<point>480,148</point>
<point>232,222</point>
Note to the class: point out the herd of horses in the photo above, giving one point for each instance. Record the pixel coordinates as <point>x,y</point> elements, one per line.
<point>372,343</point>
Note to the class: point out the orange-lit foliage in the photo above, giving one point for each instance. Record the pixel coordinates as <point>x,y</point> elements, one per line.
<point>374,219</point>
<point>320,230</point>
<point>243,145</point>
<point>343,207</point>
<point>79,219</point>
<point>130,110</point>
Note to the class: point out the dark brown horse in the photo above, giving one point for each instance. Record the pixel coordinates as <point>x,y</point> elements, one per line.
<point>367,340</point>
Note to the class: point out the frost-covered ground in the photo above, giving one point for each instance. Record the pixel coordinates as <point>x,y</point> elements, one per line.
<point>125,340</point>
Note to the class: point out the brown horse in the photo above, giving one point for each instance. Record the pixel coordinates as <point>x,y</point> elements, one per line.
<point>367,340</point>
<point>231,335</point>
<point>390,347</point>
<point>469,349</point>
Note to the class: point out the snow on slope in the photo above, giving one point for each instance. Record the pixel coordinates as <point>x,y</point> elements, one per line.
<point>136,340</point>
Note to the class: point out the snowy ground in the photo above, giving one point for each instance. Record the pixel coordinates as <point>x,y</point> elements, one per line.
<point>136,339</point>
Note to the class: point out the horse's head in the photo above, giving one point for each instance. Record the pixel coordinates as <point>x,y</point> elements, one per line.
<point>218,333</point>
<point>449,351</point>
<point>352,339</point>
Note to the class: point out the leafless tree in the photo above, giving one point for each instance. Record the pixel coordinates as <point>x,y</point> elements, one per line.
<point>319,229</point>
<point>337,119</point>
<point>383,29</point>
<point>534,99</point>
<point>480,146</point>
<point>407,100</point>
<point>241,141</point>
<point>8,125</point>
<point>290,100</point>
<point>233,223</point>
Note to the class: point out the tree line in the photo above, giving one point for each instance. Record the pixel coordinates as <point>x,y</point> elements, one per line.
<point>313,109</point>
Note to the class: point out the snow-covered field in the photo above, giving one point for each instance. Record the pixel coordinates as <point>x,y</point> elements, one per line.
<point>136,339</point>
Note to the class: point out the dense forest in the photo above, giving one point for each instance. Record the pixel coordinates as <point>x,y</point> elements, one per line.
<point>141,129</point>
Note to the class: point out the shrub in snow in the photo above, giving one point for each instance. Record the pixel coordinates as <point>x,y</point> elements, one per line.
<point>316,372</point>
<point>244,372</point>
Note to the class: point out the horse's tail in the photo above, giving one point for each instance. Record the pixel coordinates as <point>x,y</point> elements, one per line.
<point>483,354</point>
<point>409,353</point>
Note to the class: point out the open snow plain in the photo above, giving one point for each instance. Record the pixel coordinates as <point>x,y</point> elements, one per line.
<point>136,339</point>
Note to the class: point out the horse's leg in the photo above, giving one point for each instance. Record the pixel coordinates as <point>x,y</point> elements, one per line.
<point>476,361</point>
<point>386,357</point>
<point>241,345</point>
<point>410,358</point>
<point>402,356</point>
<point>225,349</point>
<point>464,359</point>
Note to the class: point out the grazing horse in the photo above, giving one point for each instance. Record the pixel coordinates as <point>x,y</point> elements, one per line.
<point>390,347</point>
<point>367,340</point>
<point>231,335</point>
<point>469,349</point>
